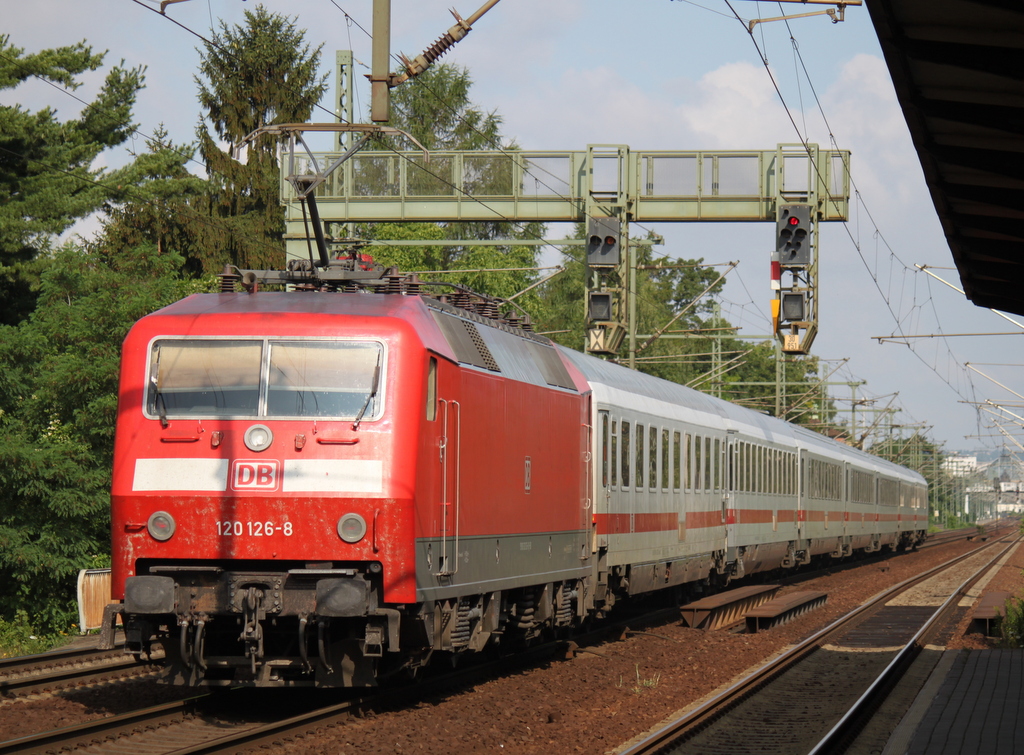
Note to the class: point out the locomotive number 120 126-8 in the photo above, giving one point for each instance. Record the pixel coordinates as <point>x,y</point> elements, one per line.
<point>228,528</point>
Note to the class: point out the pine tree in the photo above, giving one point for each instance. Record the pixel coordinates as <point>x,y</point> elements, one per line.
<point>251,76</point>
<point>159,208</point>
<point>46,179</point>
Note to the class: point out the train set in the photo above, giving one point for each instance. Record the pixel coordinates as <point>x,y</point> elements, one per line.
<point>327,487</point>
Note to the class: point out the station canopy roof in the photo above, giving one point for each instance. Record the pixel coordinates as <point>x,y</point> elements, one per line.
<point>958,70</point>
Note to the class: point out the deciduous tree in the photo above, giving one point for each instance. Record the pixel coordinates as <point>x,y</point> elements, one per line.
<point>58,398</point>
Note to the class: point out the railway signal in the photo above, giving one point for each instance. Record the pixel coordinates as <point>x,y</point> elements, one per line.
<point>603,242</point>
<point>792,231</point>
<point>794,276</point>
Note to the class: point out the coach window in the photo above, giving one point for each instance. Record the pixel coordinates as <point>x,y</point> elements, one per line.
<point>709,467</point>
<point>716,460</point>
<point>604,441</point>
<point>652,458</point>
<point>688,460</point>
<point>698,463</point>
<point>639,456</point>
<point>625,454</point>
<point>677,469</point>
<point>666,451</point>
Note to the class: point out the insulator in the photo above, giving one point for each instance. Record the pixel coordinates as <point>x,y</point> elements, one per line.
<point>439,48</point>
<point>228,278</point>
<point>412,285</point>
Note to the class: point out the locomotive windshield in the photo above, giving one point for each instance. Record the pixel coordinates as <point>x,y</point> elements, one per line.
<point>263,378</point>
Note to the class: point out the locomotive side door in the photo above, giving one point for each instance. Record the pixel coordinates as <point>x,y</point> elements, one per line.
<point>450,457</point>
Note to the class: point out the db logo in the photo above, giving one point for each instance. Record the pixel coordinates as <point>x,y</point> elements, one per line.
<point>254,475</point>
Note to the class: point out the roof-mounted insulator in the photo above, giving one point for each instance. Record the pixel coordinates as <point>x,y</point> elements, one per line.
<point>393,281</point>
<point>228,278</point>
<point>412,285</point>
<point>490,309</point>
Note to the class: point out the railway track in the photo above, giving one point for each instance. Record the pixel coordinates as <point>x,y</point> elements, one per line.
<point>236,720</point>
<point>213,722</point>
<point>815,697</point>
<point>59,669</point>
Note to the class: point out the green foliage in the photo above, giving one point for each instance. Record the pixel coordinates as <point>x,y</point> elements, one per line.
<point>250,76</point>
<point>1011,627</point>
<point>435,108</point>
<point>46,178</point>
<point>58,401</point>
<point>19,637</point>
<point>159,209</point>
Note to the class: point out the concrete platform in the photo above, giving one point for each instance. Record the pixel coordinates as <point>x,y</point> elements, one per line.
<point>972,703</point>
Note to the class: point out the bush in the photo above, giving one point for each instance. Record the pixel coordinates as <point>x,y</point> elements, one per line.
<point>1012,626</point>
<point>19,637</point>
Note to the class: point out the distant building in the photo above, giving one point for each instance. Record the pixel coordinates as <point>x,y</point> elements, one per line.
<point>960,466</point>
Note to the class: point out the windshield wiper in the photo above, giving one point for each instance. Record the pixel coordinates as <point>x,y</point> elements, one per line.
<point>370,396</point>
<point>158,400</point>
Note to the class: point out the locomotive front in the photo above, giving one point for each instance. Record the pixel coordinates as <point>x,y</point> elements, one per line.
<point>263,486</point>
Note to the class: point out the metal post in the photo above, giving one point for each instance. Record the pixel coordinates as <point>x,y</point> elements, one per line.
<point>631,298</point>
<point>380,71</point>
<point>343,92</point>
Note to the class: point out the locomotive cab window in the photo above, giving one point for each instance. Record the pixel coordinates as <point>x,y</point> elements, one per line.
<point>264,378</point>
<point>204,378</point>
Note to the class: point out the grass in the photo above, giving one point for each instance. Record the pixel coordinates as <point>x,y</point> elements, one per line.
<point>642,683</point>
<point>19,637</point>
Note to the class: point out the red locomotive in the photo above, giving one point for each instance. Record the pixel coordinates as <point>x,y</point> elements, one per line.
<point>325,488</point>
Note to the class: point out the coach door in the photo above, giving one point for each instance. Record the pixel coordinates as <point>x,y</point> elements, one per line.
<point>451,440</point>
<point>801,495</point>
<point>730,466</point>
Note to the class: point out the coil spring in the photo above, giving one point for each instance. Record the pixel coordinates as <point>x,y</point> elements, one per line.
<point>462,630</point>
<point>525,610</point>
<point>564,615</point>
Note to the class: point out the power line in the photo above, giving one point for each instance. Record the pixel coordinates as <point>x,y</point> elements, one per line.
<point>860,203</point>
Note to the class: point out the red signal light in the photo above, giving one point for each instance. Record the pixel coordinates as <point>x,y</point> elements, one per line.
<point>794,220</point>
<point>609,240</point>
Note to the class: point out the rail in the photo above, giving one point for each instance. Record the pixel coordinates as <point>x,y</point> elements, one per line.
<point>687,726</point>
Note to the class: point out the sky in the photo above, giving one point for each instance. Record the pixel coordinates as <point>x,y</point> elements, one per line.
<point>652,74</point>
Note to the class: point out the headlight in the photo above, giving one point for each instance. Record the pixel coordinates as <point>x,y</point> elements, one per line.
<point>161,526</point>
<point>351,528</point>
<point>258,438</point>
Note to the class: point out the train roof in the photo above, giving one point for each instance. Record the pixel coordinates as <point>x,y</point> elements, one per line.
<point>454,333</point>
<point>614,381</point>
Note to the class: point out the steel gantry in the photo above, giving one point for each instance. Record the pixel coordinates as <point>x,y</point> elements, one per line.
<point>608,187</point>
